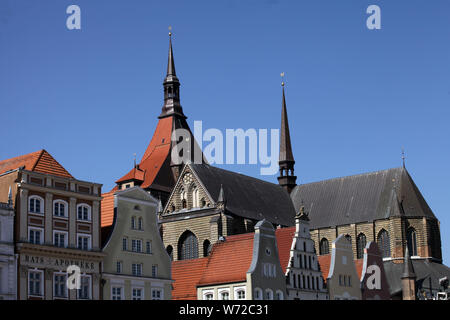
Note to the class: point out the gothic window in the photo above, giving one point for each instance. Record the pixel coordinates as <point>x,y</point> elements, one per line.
<point>360,245</point>
<point>170,252</point>
<point>348,237</point>
<point>206,248</point>
<point>187,246</point>
<point>412,241</point>
<point>324,246</point>
<point>183,198</point>
<point>383,241</point>
<point>195,198</point>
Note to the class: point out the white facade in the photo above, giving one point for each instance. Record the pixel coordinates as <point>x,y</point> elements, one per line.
<point>304,279</point>
<point>8,260</point>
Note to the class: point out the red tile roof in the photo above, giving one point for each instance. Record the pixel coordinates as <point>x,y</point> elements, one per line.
<point>134,174</point>
<point>359,266</point>
<point>236,253</point>
<point>39,161</point>
<point>107,208</point>
<point>324,263</point>
<point>284,243</point>
<point>186,274</point>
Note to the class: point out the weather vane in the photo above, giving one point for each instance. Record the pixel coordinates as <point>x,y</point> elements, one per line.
<point>282,79</point>
<point>170,30</point>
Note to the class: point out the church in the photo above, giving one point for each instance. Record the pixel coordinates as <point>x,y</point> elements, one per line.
<point>201,204</point>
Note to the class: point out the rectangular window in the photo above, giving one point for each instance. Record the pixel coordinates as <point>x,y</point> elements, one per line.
<point>149,247</point>
<point>136,269</point>
<point>124,244</point>
<point>35,235</point>
<point>154,271</point>
<point>137,294</point>
<point>116,293</point>
<point>35,283</point>
<point>59,209</point>
<point>59,286</point>
<point>59,239</point>
<point>84,242</point>
<point>119,267</point>
<point>85,288</point>
<point>136,245</point>
<point>156,294</point>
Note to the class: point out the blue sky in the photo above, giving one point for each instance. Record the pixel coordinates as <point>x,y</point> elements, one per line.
<point>355,96</point>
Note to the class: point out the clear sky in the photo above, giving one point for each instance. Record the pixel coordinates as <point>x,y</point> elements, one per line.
<point>355,96</point>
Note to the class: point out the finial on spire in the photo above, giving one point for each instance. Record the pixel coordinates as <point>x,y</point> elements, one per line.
<point>170,31</point>
<point>134,159</point>
<point>282,79</point>
<point>403,157</point>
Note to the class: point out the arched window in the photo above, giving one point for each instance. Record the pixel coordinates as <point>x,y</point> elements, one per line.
<point>360,245</point>
<point>324,246</point>
<point>195,198</point>
<point>349,238</point>
<point>279,295</point>
<point>187,246</point>
<point>169,250</point>
<point>258,294</point>
<point>384,243</point>
<point>60,208</point>
<point>183,198</point>
<point>269,294</point>
<point>412,241</point>
<point>83,212</point>
<point>36,204</point>
<point>206,248</point>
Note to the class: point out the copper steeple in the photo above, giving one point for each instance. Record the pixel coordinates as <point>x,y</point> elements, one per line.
<point>286,162</point>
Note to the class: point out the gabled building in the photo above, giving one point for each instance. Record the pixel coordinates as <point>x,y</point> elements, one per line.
<point>208,203</point>
<point>374,284</point>
<point>299,261</point>
<point>252,272</point>
<point>8,258</point>
<point>136,265</point>
<point>57,225</point>
<point>343,279</point>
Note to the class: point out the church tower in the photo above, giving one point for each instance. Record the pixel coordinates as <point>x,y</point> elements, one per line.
<point>157,171</point>
<point>286,162</point>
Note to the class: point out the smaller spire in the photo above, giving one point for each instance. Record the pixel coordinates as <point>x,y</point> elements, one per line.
<point>10,201</point>
<point>408,268</point>
<point>221,198</point>
<point>403,157</point>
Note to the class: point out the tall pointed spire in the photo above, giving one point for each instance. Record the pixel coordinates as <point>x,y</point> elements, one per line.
<point>286,162</point>
<point>171,85</point>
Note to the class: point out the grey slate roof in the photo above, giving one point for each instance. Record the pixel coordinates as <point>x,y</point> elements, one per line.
<point>423,270</point>
<point>246,196</point>
<point>361,198</point>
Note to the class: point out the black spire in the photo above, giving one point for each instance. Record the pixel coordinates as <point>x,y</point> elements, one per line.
<point>286,160</point>
<point>171,85</point>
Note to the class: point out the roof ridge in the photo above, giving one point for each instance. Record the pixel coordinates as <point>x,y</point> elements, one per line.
<point>236,173</point>
<point>37,160</point>
<point>353,175</point>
